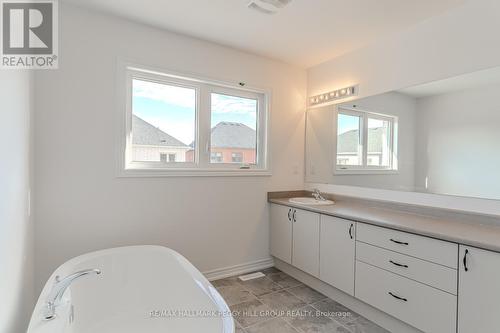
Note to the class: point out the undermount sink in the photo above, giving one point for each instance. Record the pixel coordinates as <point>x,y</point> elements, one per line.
<point>310,201</point>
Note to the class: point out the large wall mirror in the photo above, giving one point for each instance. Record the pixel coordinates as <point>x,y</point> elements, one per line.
<point>442,137</point>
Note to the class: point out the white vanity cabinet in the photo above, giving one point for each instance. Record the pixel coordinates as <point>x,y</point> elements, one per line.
<point>434,285</point>
<point>295,237</point>
<point>337,249</point>
<point>478,291</point>
<point>411,277</point>
<point>305,250</point>
<point>281,232</point>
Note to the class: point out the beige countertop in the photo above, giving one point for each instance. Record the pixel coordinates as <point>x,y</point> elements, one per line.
<point>468,229</point>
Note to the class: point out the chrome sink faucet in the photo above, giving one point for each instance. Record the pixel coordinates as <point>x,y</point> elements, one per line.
<point>317,195</point>
<point>60,286</point>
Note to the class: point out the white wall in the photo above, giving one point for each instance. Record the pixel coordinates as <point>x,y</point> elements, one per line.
<point>460,41</point>
<point>82,206</point>
<point>321,135</point>
<point>16,228</point>
<point>457,143</point>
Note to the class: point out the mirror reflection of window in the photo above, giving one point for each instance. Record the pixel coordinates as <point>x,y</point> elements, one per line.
<point>365,141</point>
<point>349,140</point>
<point>379,143</point>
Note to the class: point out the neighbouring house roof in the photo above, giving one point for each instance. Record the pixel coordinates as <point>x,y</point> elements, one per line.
<point>146,134</point>
<point>348,142</point>
<point>233,135</point>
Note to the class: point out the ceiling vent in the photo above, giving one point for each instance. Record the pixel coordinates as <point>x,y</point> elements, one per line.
<point>268,6</point>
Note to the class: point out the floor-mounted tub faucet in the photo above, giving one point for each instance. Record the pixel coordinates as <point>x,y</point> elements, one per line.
<point>60,286</point>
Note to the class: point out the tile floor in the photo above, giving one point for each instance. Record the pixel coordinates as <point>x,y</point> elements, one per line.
<point>277,303</point>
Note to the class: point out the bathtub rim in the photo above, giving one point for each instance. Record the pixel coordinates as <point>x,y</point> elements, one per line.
<point>209,290</point>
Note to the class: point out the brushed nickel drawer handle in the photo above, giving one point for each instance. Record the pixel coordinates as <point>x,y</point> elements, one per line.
<point>399,242</point>
<point>397,297</point>
<point>398,264</point>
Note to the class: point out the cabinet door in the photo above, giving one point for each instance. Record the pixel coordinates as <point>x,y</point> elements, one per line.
<point>337,252</point>
<point>478,291</point>
<point>281,232</point>
<point>306,241</point>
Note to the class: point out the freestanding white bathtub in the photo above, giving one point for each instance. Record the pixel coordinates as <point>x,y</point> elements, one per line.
<point>146,289</point>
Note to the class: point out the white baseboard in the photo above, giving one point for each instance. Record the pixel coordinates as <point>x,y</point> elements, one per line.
<point>248,267</point>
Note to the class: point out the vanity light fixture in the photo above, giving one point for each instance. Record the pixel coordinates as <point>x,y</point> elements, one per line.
<point>333,95</point>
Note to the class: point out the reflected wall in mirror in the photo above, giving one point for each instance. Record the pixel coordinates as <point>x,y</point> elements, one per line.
<point>442,137</point>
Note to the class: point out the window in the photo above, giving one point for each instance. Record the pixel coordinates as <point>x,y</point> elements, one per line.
<point>163,121</point>
<point>216,157</point>
<point>379,142</point>
<point>167,158</point>
<point>366,142</point>
<point>179,126</point>
<point>237,158</point>
<point>234,125</point>
<point>349,150</point>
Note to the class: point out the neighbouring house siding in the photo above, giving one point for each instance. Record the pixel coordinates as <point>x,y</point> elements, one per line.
<point>228,138</point>
<point>153,153</point>
<point>149,143</point>
<point>248,155</point>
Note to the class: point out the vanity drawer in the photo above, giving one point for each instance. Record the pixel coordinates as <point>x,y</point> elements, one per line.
<point>437,251</point>
<point>426,272</point>
<point>424,307</point>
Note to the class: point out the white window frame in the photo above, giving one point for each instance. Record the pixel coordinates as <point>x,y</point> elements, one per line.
<point>201,166</point>
<point>364,168</point>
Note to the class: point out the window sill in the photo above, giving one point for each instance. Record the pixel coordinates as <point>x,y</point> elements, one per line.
<point>139,173</point>
<point>366,172</point>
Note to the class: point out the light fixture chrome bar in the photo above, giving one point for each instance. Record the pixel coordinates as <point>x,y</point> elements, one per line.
<point>333,95</point>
